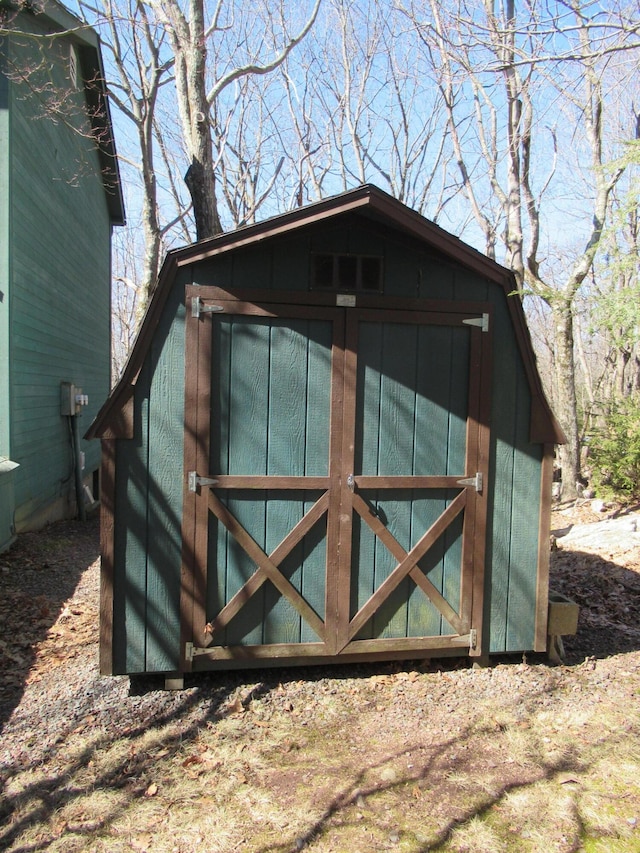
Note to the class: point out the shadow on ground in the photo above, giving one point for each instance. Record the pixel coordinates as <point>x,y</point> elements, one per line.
<point>609,599</point>
<point>465,774</point>
<point>40,574</point>
<point>37,576</point>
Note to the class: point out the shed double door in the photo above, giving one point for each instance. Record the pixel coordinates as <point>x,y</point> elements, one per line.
<point>335,474</point>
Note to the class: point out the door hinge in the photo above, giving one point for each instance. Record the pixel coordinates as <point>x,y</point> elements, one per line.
<point>191,651</point>
<point>481,322</point>
<point>473,638</point>
<point>476,482</point>
<point>194,481</point>
<point>198,307</point>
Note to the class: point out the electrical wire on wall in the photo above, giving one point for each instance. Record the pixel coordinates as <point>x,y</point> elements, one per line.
<point>77,467</point>
<point>71,402</point>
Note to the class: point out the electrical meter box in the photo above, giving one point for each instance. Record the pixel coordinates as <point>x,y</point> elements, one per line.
<point>71,399</point>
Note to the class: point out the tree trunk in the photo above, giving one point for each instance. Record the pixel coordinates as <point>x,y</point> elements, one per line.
<point>513,86</point>
<point>150,228</point>
<point>200,177</point>
<point>624,357</point>
<point>200,182</point>
<point>152,250</point>
<point>566,403</point>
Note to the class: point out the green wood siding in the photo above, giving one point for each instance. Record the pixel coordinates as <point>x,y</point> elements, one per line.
<point>5,294</point>
<point>411,420</point>
<point>436,279</point>
<point>270,415</point>
<point>60,277</point>
<point>7,499</point>
<point>514,501</point>
<point>131,537</point>
<point>149,488</point>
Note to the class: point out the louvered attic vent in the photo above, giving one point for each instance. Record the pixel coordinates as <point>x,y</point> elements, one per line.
<point>346,272</point>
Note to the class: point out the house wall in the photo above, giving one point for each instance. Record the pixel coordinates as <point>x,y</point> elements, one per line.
<point>149,477</point>
<point>7,533</point>
<point>59,237</point>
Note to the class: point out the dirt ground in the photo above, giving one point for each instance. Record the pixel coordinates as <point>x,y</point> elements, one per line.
<point>520,756</point>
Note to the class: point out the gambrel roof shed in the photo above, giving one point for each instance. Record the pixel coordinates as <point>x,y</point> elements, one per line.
<point>330,443</point>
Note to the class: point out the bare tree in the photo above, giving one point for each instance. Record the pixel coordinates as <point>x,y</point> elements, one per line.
<point>594,106</point>
<point>363,109</point>
<point>615,316</point>
<point>499,72</point>
<point>251,158</point>
<point>140,68</point>
<point>181,74</point>
<point>210,52</point>
<point>506,106</point>
<point>126,299</point>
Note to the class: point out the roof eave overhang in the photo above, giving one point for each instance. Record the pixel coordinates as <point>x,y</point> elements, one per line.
<point>363,198</point>
<point>90,55</point>
<point>102,126</point>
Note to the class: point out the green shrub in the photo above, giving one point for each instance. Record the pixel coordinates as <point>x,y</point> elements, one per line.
<point>614,452</point>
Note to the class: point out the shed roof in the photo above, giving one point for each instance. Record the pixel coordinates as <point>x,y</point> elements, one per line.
<point>88,45</point>
<point>114,418</point>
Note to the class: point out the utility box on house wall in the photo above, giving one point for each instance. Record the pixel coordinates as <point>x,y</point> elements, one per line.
<point>330,443</point>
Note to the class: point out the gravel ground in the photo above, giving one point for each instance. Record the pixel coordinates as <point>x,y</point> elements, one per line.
<point>48,640</point>
<point>51,691</point>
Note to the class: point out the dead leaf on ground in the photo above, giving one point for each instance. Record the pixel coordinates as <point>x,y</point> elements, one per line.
<point>237,707</point>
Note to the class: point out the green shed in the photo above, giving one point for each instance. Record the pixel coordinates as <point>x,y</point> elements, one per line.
<point>330,443</point>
